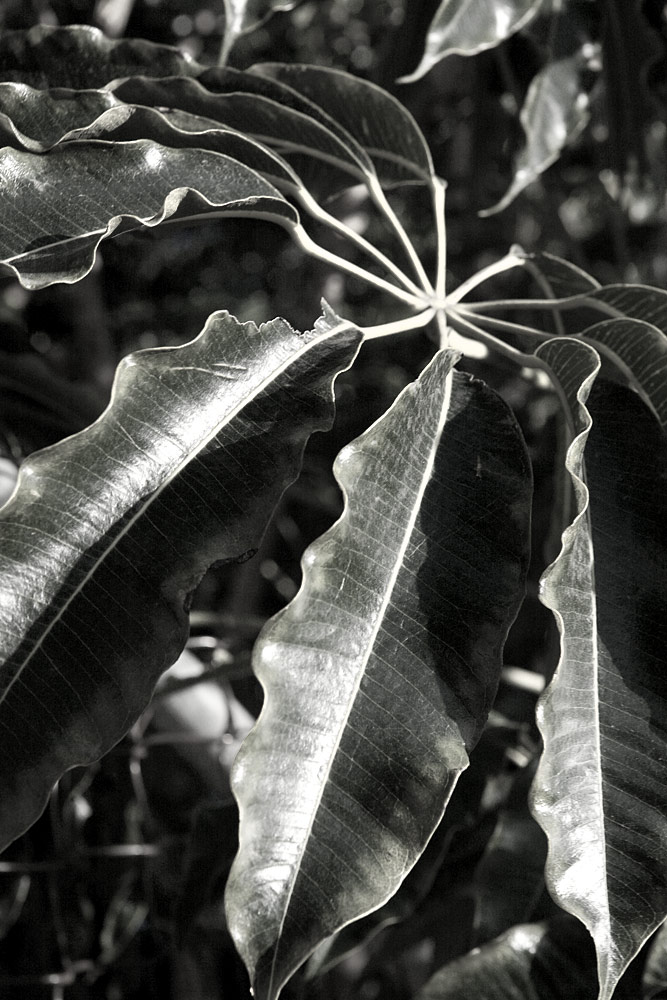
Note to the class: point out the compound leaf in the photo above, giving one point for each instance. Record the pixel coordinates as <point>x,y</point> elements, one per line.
<point>380,673</point>
<point>110,531</point>
<point>600,791</point>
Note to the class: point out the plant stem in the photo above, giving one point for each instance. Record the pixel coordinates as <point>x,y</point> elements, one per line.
<point>441,320</point>
<point>308,245</point>
<point>398,326</point>
<point>504,264</point>
<point>438,189</point>
<point>465,326</point>
<point>320,213</point>
<point>583,300</point>
<point>380,200</point>
<point>469,312</point>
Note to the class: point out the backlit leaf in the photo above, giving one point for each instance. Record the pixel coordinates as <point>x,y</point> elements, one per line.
<point>601,789</point>
<point>111,530</point>
<point>554,113</point>
<point>378,122</point>
<point>467,27</point>
<point>86,190</point>
<point>380,673</point>
<point>324,155</point>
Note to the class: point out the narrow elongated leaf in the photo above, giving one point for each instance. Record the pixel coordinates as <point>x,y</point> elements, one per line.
<point>379,123</point>
<point>554,113</point>
<point>85,190</point>
<point>552,960</point>
<point>467,27</point>
<point>380,673</point>
<point>601,788</point>
<point>82,58</point>
<point>110,531</point>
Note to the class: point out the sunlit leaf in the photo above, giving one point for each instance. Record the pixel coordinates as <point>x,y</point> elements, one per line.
<point>380,673</point>
<point>379,123</point>
<point>36,120</point>
<point>111,530</point>
<point>324,155</point>
<point>467,27</point>
<point>552,960</point>
<point>85,191</point>
<point>554,113</point>
<point>601,789</point>
<point>82,58</point>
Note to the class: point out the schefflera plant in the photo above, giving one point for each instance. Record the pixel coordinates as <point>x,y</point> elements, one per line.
<point>380,674</point>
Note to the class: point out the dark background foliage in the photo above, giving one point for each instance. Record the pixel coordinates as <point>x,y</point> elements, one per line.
<point>116,893</point>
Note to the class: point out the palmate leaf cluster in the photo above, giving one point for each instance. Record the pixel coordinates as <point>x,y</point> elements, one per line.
<point>380,677</point>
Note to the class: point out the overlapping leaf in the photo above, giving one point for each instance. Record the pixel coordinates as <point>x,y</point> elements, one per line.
<point>600,793</point>
<point>110,531</point>
<point>83,195</point>
<point>379,675</point>
<point>82,58</point>
<point>376,120</point>
<point>467,27</point>
<point>546,961</point>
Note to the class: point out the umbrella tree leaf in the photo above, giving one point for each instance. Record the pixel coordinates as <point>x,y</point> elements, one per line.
<point>600,791</point>
<point>110,530</point>
<point>82,58</point>
<point>467,27</point>
<point>542,961</point>
<point>381,124</point>
<point>86,190</point>
<point>554,113</point>
<point>380,673</point>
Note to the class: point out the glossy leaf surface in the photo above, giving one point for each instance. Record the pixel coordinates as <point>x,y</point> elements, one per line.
<point>467,27</point>
<point>601,789</point>
<point>380,673</point>
<point>110,531</point>
<point>86,190</point>
<point>546,961</point>
<point>381,124</point>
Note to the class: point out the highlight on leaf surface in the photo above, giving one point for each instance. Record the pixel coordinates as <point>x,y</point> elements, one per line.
<point>380,674</point>
<point>603,716</point>
<point>466,27</point>
<point>110,530</point>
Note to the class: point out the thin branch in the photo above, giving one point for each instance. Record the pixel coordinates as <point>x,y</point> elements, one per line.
<point>503,325</point>
<point>316,210</point>
<point>438,188</point>
<point>465,326</point>
<point>504,264</point>
<point>398,326</point>
<point>308,245</point>
<point>582,300</point>
<point>380,199</point>
<point>441,320</point>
